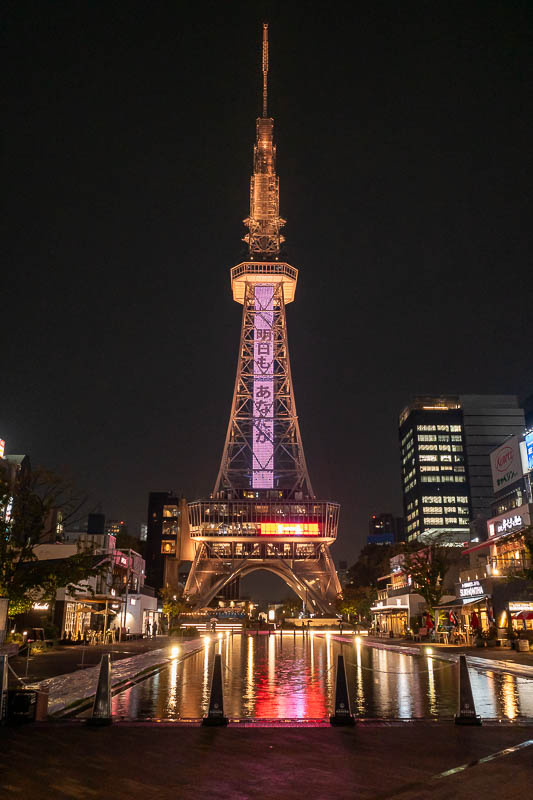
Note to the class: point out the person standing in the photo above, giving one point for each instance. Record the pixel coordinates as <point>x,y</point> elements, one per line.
<point>154,629</point>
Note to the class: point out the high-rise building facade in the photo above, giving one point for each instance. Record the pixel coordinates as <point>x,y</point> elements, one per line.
<point>162,532</point>
<point>263,513</point>
<point>445,445</point>
<point>488,420</point>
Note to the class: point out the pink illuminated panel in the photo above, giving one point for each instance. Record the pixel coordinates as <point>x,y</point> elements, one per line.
<point>263,411</point>
<point>289,528</point>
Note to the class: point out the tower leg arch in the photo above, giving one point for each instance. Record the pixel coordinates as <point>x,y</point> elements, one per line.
<point>308,580</point>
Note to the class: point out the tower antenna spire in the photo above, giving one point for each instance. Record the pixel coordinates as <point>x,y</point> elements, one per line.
<point>265,68</point>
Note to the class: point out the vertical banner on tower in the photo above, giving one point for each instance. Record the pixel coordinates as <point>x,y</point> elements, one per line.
<point>263,410</point>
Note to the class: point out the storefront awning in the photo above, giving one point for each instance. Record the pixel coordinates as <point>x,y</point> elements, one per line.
<point>522,615</point>
<point>460,602</point>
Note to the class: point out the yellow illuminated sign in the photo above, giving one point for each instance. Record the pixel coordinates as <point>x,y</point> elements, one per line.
<point>289,529</point>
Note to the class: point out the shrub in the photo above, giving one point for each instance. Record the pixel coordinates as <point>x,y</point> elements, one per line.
<point>14,638</point>
<point>189,632</point>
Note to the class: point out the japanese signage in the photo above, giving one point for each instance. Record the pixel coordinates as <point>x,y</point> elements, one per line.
<point>513,520</point>
<point>263,398</point>
<point>471,589</point>
<point>289,528</point>
<point>2,448</point>
<point>520,606</point>
<point>506,464</point>
<point>529,449</point>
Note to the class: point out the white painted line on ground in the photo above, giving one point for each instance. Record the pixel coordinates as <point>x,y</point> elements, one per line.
<point>500,754</point>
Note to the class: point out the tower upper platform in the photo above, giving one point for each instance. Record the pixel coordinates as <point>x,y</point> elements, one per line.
<point>267,272</point>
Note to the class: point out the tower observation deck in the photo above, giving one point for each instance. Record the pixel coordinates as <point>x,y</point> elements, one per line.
<point>263,513</point>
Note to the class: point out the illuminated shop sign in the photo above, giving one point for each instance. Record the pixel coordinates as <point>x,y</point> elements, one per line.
<point>506,464</point>
<point>523,606</point>
<point>471,589</point>
<point>263,409</point>
<point>529,449</point>
<point>2,448</point>
<point>289,529</point>
<point>509,524</point>
<point>510,521</point>
<point>40,606</point>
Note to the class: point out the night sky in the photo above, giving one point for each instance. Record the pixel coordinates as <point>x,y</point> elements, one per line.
<point>403,134</point>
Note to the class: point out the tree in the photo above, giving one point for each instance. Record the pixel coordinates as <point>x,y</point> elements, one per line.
<point>173,603</point>
<point>373,562</point>
<point>427,565</point>
<point>291,606</point>
<point>26,506</point>
<point>356,601</point>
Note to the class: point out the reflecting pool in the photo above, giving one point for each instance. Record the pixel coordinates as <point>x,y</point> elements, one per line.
<point>290,677</point>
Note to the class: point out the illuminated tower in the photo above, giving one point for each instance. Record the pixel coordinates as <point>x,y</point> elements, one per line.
<point>263,513</point>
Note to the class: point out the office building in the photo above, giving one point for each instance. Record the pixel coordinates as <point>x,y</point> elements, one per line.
<point>445,448</point>
<point>488,420</point>
<point>527,405</point>
<point>168,544</point>
<point>115,526</point>
<point>385,529</point>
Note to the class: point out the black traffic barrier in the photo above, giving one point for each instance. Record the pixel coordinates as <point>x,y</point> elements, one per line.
<point>101,713</point>
<point>215,714</point>
<point>467,710</point>
<point>343,714</point>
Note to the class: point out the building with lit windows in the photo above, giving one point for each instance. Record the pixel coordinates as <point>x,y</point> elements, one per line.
<point>114,526</point>
<point>385,529</point>
<point>169,549</point>
<point>435,487</point>
<point>445,448</point>
<point>162,529</point>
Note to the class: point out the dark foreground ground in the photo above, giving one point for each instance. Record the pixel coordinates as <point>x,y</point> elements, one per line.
<point>64,760</point>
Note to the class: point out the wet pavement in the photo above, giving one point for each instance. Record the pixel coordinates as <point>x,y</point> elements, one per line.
<point>69,658</point>
<point>67,691</point>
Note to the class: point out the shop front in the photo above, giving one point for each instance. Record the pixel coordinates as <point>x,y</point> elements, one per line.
<point>494,605</point>
<point>91,617</point>
<point>518,616</point>
<point>469,614</point>
<point>521,614</point>
<point>392,615</point>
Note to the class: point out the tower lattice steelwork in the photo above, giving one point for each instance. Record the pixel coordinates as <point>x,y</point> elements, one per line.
<point>263,513</point>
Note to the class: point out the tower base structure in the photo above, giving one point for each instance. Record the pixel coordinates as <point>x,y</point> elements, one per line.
<point>291,539</point>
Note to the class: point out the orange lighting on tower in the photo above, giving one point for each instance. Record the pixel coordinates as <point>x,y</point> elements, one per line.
<point>289,528</point>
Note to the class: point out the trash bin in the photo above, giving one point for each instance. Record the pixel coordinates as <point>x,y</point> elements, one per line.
<point>21,705</point>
